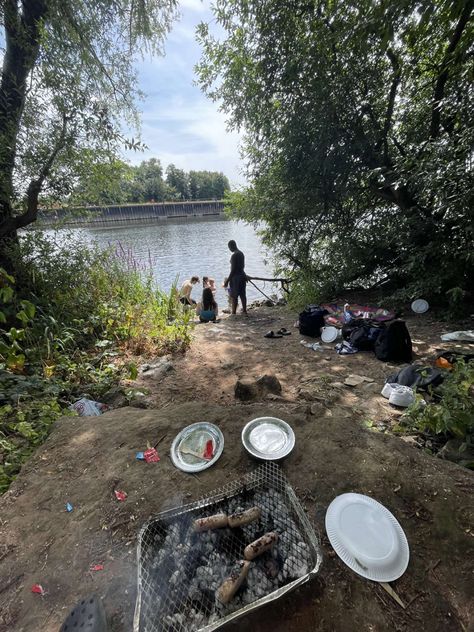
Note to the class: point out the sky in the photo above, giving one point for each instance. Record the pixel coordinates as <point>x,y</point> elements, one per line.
<point>180,125</point>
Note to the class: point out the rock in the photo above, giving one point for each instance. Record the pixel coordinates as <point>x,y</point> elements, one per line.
<point>157,369</point>
<point>248,389</point>
<point>371,387</point>
<point>270,383</point>
<point>115,397</point>
<point>337,384</point>
<point>316,409</point>
<point>355,380</point>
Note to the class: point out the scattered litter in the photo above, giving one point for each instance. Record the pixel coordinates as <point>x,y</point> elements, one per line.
<point>38,589</point>
<point>69,507</point>
<point>315,346</point>
<point>151,455</point>
<point>209,450</point>
<point>97,567</point>
<point>140,456</point>
<point>459,336</point>
<point>119,495</point>
<point>88,407</point>
<point>345,348</point>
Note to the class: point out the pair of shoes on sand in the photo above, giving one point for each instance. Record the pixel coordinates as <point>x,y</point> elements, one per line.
<point>279,334</point>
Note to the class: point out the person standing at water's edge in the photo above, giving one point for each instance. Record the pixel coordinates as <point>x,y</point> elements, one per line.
<point>237,279</point>
<point>185,292</point>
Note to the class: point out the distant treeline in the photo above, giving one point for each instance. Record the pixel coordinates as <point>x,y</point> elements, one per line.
<point>119,183</point>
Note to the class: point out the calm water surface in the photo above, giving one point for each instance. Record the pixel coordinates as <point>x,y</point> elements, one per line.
<point>178,249</point>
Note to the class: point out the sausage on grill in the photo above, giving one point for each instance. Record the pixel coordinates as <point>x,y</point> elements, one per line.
<point>231,584</point>
<point>242,518</point>
<point>217,521</point>
<point>261,545</point>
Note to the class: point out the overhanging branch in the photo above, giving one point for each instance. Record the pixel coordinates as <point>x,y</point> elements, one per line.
<point>444,70</point>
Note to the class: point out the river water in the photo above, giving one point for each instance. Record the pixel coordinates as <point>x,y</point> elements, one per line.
<point>177,249</point>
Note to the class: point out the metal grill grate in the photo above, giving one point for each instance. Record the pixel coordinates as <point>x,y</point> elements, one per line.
<point>180,571</point>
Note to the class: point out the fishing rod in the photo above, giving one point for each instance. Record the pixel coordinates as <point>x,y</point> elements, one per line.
<point>261,292</point>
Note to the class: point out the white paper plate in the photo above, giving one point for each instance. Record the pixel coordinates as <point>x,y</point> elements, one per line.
<point>367,537</point>
<point>420,306</point>
<point>329,334</point>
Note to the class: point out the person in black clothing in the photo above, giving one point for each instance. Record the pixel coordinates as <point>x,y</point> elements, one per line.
<point>237,278</point>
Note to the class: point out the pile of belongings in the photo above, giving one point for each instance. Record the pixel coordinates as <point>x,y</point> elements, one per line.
<point>337,313</point>
<point>390,342</point>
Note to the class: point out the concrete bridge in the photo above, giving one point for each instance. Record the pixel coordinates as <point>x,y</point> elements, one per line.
<point>130,213</point>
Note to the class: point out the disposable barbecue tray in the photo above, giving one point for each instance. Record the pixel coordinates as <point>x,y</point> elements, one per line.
<point>179,571</point>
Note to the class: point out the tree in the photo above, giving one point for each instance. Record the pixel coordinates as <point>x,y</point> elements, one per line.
<point>177,179</point>
<point>148,184</point>
<point>100,183</point>
<point>359,133</point>
<point>67,82</point>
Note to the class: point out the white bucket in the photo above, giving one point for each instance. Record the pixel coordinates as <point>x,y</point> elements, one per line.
<point>330,334</point>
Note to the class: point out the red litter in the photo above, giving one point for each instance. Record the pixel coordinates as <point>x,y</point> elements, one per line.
<point>37,588</point>
<point>151,455</point>
<point>97,567</point>
<point>209,451</point>
<point>119,495</point>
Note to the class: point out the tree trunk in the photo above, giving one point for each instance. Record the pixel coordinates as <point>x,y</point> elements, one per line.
<point>22,42</point>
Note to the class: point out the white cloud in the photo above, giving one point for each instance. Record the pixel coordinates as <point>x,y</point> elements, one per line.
<point>179,124</point>
<point>194,5</point>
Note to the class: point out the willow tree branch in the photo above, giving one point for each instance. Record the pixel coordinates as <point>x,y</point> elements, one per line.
<point>443,76</point>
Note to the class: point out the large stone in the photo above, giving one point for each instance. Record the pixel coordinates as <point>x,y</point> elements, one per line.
<point>250,390</point>
<point>157,369</point>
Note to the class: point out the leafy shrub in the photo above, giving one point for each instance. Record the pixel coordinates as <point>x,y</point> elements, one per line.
<point>66,322</point>
<point>453,412</point>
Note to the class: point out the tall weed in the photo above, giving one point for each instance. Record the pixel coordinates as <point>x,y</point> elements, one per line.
<point>69,322</point>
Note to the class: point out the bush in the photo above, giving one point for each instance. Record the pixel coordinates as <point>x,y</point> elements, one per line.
<point>68,319</point>
<point>453,413</point>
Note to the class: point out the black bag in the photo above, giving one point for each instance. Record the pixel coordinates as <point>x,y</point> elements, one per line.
<point>364,337</point>
<point>417,376</point>
<point>311,320</point>
<point>394,343</point>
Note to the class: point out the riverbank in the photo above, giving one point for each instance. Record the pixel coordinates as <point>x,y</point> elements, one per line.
<point>86,459</point>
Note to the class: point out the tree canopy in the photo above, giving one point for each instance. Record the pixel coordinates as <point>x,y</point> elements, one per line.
<point>116,182</point>
<point>67,85</point>
<point>359,124</point>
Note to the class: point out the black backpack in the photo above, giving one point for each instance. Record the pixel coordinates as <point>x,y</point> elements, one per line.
<point>311,320</point>
<point>394,343</point>
<point>364,337</point>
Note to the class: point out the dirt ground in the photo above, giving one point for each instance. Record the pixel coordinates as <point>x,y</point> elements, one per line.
<point>86,459</point>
